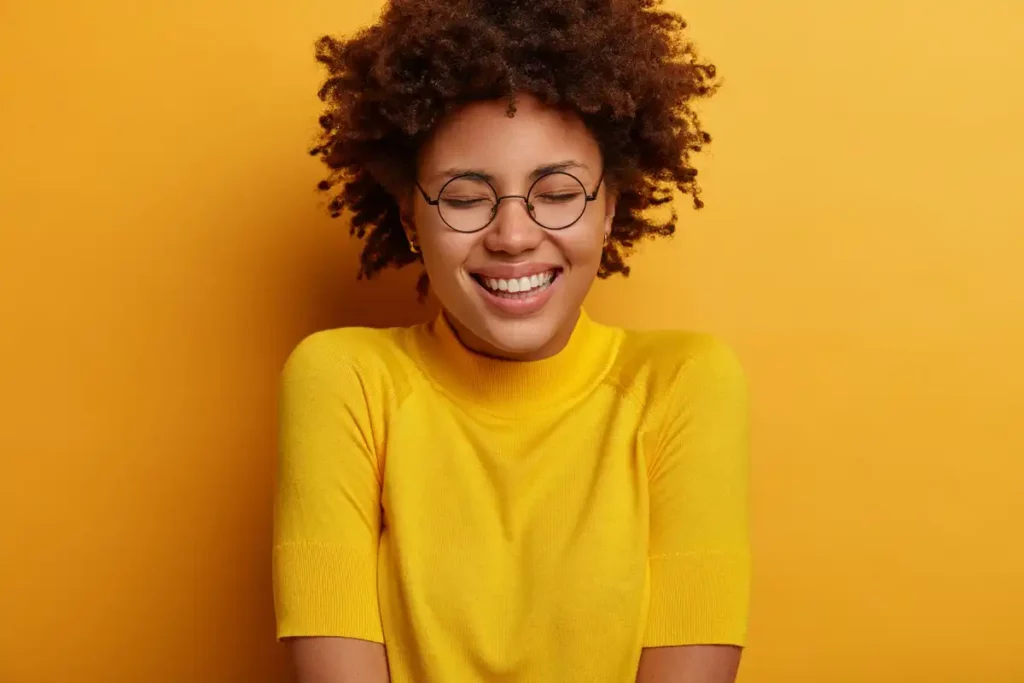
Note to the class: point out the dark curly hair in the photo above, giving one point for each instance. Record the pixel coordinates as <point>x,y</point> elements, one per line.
<point>623,66</point>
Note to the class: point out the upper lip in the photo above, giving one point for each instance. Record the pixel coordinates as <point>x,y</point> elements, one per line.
<point>511,272</point>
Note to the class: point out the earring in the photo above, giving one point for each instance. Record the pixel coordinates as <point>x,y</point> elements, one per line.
<point>413,248</point>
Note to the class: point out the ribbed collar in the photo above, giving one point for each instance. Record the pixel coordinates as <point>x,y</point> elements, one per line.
<point>505,386</point>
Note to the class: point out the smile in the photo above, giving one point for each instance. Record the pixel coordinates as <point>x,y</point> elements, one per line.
<point>518,296</point>
<point>518,288</point>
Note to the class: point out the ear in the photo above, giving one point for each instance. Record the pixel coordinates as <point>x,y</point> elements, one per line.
<point>405,213</point>
<point>611,201</point>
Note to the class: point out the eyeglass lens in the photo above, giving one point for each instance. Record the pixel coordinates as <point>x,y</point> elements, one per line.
<point>555,201</point>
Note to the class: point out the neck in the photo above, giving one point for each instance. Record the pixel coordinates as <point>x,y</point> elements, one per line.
<point>480,346</point>
<point>498,382</point>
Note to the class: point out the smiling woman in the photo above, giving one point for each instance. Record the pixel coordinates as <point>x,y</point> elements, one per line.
<point>545,224</point>
<point>464,500</point>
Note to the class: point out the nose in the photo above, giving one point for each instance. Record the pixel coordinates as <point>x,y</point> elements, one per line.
<point>513,231</point>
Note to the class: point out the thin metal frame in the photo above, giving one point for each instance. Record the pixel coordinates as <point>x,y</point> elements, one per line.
<point>498,199</point>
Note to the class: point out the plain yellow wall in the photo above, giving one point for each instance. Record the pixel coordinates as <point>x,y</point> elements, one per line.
<point>163,248</point>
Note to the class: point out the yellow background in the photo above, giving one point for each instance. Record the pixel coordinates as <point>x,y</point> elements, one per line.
<point>163,248</point>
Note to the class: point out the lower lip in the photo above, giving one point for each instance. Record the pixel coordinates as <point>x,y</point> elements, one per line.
<point>519,306</point>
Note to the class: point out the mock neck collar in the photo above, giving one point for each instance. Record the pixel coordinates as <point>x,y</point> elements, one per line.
<point>510,386</point>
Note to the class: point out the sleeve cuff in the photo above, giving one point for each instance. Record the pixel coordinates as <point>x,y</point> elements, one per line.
<point>324,590</point>
<point>698,599</point>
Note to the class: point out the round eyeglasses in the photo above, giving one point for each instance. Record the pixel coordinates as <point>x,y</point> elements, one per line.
<point>469,203</point>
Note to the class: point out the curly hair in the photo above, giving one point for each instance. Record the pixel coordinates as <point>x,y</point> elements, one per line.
<point>624,67</point>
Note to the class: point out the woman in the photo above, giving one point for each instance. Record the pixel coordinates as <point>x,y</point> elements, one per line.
<point>511,492</point>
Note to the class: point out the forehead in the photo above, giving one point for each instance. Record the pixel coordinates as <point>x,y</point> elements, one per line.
<point>482,136</point>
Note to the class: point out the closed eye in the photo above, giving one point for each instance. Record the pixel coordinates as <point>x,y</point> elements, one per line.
<point>458,203</point>
<point>558,197</point>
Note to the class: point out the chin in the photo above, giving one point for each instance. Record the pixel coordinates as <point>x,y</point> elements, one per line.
<point>520,342</point>
<point>486,329</point>
<point>520,339</point>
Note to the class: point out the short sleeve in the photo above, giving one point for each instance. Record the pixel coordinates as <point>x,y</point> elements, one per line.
<point>327,515</point>
<point>699,540</point>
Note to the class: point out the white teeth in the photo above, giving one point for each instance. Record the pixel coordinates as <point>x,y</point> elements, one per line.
<point>519,285</point>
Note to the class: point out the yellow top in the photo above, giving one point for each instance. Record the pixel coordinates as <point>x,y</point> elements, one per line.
<point>516,521</point>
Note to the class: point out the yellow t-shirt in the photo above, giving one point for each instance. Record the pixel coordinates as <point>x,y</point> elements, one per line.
<point>518,521</point>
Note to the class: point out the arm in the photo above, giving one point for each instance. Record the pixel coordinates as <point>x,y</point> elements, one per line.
<point>699,553</point>
<point>327,520</point>
<point>339,660</point>
<point>689,664</point>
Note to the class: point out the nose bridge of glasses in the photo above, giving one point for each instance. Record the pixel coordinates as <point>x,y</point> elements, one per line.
<point>499,199</point>
<point>515,230</point>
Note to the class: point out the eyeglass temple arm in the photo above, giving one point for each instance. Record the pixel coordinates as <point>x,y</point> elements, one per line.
<point>597,190</point>
<point>426,197</point>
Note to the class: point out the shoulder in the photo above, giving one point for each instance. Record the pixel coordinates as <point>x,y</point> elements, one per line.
<point>693,397</point>
<point>658,364</point>
<point>363,355</point>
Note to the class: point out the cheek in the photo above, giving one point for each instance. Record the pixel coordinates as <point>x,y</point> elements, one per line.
<point>581,249</point>
<point>445,252</point>
<point>431,234</point>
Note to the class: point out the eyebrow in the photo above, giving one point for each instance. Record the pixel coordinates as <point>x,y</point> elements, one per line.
<point>480,174</point>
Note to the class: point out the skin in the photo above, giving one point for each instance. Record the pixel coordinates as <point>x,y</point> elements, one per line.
<point>689,664</point>
<point>482,137</point>
<point>339,660</point>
